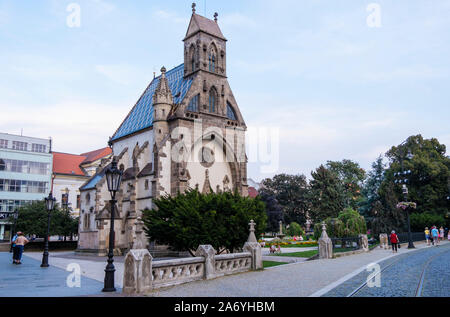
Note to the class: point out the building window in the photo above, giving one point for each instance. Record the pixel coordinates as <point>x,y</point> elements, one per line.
<point>20,146</point>
<point>212,100</point>
<point>78,202</point>
<point>230,112</point>
<point>212,62</point>
<point>20,186</point>
<point>7,205</point>
<point>18,166</point>
<point>40,148</point>
<point>146,184</point>
<point>3,144</point>
<point>193,104</point>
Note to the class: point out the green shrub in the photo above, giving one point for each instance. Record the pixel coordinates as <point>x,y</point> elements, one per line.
<point>420,221</point>
<point>191,219</point>
<point>349,223</point>
<point>295,229</point>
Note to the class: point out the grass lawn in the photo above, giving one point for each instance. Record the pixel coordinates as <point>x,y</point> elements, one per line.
<point>272,263</point>
<point>304,254</point>
<point>296,246</point>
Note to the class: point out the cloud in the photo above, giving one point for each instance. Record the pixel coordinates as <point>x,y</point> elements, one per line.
<point>75,126</point>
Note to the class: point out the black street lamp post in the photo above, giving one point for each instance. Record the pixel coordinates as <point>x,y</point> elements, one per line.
<point>49,204</point>
<point>403,178</point>
<point>113,178</point>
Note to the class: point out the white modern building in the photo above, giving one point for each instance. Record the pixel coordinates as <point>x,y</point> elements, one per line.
<point>25,175</point>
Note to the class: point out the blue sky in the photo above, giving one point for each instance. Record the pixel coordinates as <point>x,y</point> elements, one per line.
<point>335,87</point>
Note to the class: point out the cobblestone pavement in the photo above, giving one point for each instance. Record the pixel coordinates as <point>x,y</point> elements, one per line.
<point>402,276</point>
<point>30,280</point>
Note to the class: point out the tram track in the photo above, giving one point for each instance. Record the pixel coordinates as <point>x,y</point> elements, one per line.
<point>419,288</point>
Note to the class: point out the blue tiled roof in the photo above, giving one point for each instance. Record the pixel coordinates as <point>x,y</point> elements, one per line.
<point>91,184</point>
<point>141,116</point>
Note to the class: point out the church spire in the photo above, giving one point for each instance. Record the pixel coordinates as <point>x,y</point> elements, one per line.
<point>163,93</point>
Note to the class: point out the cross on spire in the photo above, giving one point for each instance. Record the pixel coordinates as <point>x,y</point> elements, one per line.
<point>193,7</point>
<point>215,16</point>
<point>252,226</point>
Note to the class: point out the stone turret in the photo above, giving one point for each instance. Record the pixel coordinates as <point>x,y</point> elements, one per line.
<point>162,105</point>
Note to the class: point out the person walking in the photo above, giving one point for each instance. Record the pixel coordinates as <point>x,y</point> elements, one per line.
<point>441,233</point>
<point>435,235</point>
<point>427,235</point>
<point>394,241</point>
<point>20,244</point>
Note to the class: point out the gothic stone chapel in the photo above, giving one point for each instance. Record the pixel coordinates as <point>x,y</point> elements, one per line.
<point>188,112</point>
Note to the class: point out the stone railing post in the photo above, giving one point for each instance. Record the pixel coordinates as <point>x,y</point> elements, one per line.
<point>137,274</point>
<point>208,252</point>
<point>325,244</point>
<point>254,248</point>
<point>364,242</point>
<point>384,241</point>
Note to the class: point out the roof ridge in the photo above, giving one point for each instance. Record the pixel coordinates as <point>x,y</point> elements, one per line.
<point>141,114</point>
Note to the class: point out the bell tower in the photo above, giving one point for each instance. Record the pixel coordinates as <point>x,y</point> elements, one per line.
<point>204,46</point>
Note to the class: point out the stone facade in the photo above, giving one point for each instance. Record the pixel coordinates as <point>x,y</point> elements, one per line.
<point>195,139</point>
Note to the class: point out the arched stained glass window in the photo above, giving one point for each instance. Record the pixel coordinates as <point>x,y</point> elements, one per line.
<point>230,112</point>
<point>193,104</point>
<point>212,100</point>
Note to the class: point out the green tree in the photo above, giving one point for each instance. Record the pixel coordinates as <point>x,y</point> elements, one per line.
<point>422,220</point>
<point>430,173</point>
<point>274,212</point>
<point>326,196</point>
<point>385,214</point>
<point>33,219</point>
<point>191,219</point>
<point>351,177</point>
<point>349,223</point>
<point>295,229</point>
<point>371,187</point>
<point>291,193</point>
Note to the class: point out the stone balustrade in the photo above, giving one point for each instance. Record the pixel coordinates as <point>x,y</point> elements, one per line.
<point>178,271</point>
<point>142,275</point>
<point>232,263</point>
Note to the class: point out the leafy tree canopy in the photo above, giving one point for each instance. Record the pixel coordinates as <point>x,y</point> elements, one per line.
<point>349,223</point>
<point>33,220</point>
<point>326,196</point>
<point>351,177</point>
<point>291,192</point>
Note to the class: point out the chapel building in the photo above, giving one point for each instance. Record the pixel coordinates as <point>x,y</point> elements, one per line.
<point>185,132</point>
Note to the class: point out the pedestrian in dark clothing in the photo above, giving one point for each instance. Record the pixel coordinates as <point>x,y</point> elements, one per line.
<point>18,249</point>
<point>394,241</point>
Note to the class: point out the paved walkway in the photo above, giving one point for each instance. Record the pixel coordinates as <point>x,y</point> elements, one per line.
<point>290,280</point>
<point>30,280</point>
<point>310,278</point>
